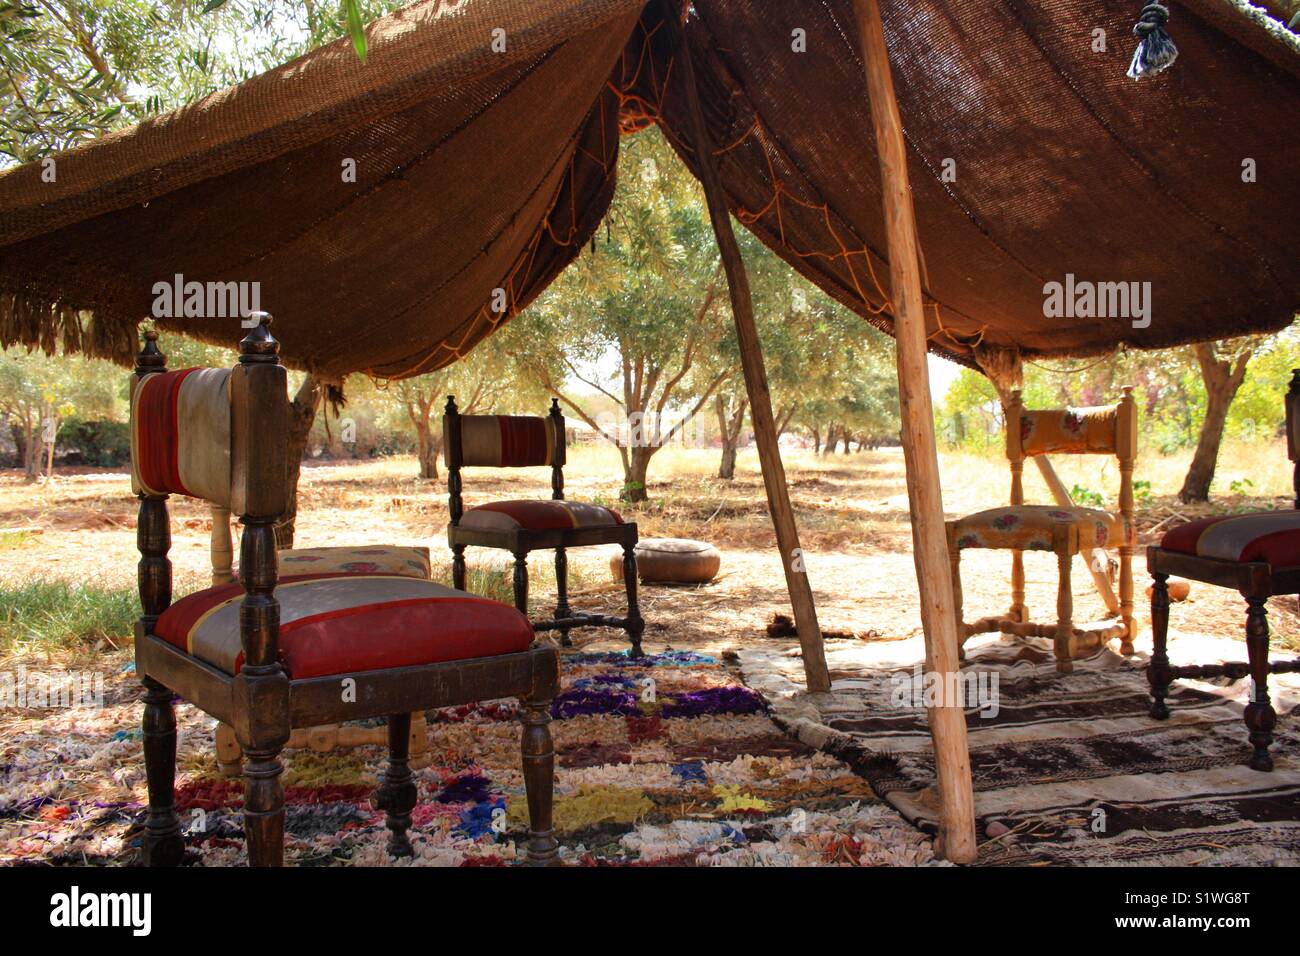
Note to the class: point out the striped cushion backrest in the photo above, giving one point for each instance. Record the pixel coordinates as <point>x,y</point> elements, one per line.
<point>504,441</point>
<point>181,434</point>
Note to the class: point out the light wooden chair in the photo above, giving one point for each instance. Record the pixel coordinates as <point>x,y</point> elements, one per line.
<point>1066,531</point>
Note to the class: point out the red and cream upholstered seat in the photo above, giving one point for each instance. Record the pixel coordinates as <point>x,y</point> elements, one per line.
<point>1269,536</point>
<point>539,515</point>
<point>345,623</point>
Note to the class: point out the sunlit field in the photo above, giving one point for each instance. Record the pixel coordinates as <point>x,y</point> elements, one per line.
<point>68,546</point>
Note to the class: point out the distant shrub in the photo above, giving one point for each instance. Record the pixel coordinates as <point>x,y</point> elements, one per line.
<point>102,444</point>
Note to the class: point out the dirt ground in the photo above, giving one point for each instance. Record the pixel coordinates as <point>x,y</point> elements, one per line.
<point>852,511</point>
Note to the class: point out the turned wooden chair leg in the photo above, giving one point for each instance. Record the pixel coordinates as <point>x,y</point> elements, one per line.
<point>264,802</point>
<point>163,845</point>
<point>396,794</point>
<point>419,741</point>
<point>1064,611</point>
<point>539,782</point>
<point>521,582</point>
<point>230,758</point>
<point>1260,716</point>
<point>458,566</point>
<point>1158,676</point>
<point>1126,600</point>
<point>634,624</point>
<point>562,609</point>
<point>1018,611</point>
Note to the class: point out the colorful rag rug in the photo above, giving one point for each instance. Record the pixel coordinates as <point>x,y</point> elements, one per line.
<point>1068,768</point>
<point>664,760</point>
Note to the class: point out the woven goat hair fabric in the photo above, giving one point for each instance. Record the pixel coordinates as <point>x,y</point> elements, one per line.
<point>1035,163</point>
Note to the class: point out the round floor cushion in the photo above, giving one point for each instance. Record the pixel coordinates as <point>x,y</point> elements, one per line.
<point>672,561</point>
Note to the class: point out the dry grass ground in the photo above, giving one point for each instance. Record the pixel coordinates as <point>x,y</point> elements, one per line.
<point>852,512</point>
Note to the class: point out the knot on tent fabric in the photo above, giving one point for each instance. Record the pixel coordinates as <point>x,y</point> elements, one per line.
<point>1156,51</point>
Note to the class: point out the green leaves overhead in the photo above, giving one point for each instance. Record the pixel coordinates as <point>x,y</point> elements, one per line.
<point>72,70</point>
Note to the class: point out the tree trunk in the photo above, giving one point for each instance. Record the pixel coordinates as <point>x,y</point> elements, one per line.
<point>634,472</point>
<point>31,450</point>
<point>302,415</point>
<point>20,442</point>
<point>430,446</point>
<point>1222,379</point>
<point>817,440</point>
<point>730,427</point>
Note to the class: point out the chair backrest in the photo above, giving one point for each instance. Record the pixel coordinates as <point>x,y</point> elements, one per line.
<point>501,441</point>
<point>220,435</point>
<point>216,434</point>
<point>1101,430</point>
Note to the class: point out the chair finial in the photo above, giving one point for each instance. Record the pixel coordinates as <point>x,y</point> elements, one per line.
<point>151,358</point>
<point>259,346</point>
<point>451,405</point>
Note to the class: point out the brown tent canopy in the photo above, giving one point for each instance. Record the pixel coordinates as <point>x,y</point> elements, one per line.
<point>484,166</point>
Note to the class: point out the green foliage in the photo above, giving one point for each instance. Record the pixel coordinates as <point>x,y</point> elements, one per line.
<point>72,70</point>
<point>1142,492</point>
<point>99,443</point>
<point>62,614</point>
<point>1168,387</point>
<point>1241,486</point>
<point>1087,497</point>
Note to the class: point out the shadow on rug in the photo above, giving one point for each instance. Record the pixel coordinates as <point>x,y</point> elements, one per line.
<point>691,771</point>
<point>1068,768</point>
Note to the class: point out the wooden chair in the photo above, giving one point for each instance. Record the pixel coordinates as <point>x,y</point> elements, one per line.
<point>337,559</point>
<point>508,441</point>
<point>270,654</point>
<point>1066,531</point>
<point>1257,554</point>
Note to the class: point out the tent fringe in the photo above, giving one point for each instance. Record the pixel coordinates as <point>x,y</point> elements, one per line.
<point>52,326</point>
<point>1002,366</point>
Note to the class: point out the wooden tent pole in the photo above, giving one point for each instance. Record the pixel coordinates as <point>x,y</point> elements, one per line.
<point>751,361</point>
<point>930,546</point>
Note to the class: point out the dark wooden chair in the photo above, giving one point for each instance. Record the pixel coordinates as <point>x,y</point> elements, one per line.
<point>1257,554</point>
<point>269,654</point>
<point>510,441</point>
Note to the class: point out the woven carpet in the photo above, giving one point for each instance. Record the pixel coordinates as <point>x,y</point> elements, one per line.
<point>1070,769</point>
<point>688,771</point>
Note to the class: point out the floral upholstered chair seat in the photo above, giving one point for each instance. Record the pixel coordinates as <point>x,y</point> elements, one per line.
<point>1033,527</point>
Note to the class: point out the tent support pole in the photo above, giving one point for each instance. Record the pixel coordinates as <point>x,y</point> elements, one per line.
<point>930,545</point>
<point>751,360</point>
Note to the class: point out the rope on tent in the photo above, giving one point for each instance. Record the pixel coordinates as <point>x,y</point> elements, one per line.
<point>1155,51</point>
